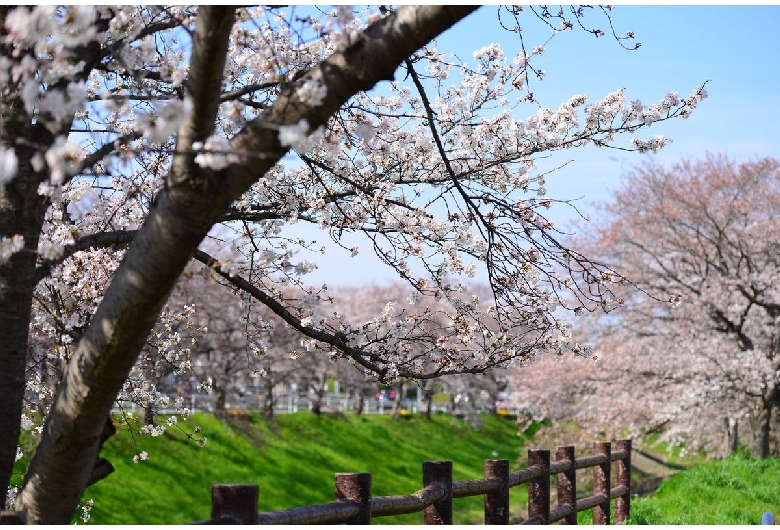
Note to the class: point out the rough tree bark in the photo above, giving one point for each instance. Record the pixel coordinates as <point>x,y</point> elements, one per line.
<point>22,211</point>
<point>268,402</point>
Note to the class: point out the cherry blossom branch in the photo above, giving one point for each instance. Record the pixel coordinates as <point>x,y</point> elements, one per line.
<point>243,91</point>
<point>209,53</point>
<point>98,240</point>
<point>103,151</point>
<point>146,31</point>
<point>333,339</point>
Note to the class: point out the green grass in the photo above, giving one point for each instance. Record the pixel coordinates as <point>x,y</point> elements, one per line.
<point>737,490</point>
<point>673,455</point>
<point>293,460</point>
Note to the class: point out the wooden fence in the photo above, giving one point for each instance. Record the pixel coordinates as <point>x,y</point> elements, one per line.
<point>237,503</point>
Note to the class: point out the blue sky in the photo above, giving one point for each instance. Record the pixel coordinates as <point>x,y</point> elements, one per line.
<point>734,47</point>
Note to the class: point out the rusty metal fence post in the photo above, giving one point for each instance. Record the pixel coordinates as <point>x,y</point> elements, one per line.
<point>539,487</point>
<point>235,501</point>
<point>623,478</point>
<point>355,487</point>
<point>567,483</point>
<point>602,475</point>
<point>497,504</point>
<point>438,471</point>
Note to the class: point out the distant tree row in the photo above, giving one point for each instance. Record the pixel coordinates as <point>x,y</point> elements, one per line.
<point>703,235</point>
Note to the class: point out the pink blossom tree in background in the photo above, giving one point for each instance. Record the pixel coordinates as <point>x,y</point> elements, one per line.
<point>704,235</point>
<point>136,141</point>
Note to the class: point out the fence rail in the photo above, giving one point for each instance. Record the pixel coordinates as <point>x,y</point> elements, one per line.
<point>237,503</point>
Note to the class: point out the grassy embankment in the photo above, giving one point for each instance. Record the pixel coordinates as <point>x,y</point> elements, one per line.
<point>737,490</point>
<point>293,460</point>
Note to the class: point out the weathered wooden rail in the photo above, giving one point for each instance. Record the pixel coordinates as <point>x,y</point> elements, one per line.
<point>237,503</point>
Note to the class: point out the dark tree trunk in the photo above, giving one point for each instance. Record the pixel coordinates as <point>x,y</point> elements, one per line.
<point>15,304</point>
<point>762,421</point>
<point>268,402</point>
<point>359,401</point>
<point>428,400</point>
<point>22,212</point>
<point>763,439</point>
<point>397,402</point>
<point>147,415</point>
<point>316,405</point>
<point>220,398</point>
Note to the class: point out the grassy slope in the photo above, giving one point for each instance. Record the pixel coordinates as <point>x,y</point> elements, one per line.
<point>294,460</point>
<point>733,491</point>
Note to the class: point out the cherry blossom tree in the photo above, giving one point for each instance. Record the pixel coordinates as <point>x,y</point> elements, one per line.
<point>134,141</point>
<point>285,361</point>
<point>224,338</point>
<point>702,234</point>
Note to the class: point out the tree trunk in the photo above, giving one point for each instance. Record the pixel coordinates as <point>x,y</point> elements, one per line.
<point>763,440</point>
<point>359,401</point>
<point>268,402</point>
<point>220,398</point>
<point>15,306</point>
<point>316,405</point>
<point>22,212</point>
<point>761,430</point>
<point>428,397</point>
<point>774,432</point>
<point>396,413</point>
<point>147,415</point>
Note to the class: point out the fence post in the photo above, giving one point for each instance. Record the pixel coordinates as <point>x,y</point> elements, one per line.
<point>235,501</point>
<point>438,471</point>
<point>355,487</point>
<point>539,487</point>
<point>623,478</point>
<point>567,484</point>
<point>497,504</point>
<point>602,475</point>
